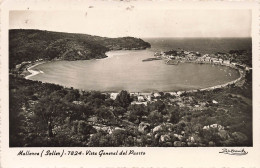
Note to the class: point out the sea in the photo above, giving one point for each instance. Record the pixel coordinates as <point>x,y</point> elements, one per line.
<point>125,70</point>
<point>202,45</point>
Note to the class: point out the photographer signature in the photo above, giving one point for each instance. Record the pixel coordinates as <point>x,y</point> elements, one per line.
<point>238,152</point>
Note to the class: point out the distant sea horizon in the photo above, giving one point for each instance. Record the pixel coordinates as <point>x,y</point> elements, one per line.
<point>204,45</point>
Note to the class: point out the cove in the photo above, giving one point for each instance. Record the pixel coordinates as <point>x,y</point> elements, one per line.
<point>124,70</point>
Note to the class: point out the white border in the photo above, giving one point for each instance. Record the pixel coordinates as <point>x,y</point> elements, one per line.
<point>155,157</point>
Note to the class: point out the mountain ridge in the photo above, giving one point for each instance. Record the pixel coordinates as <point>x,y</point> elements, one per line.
<point>32,44</point>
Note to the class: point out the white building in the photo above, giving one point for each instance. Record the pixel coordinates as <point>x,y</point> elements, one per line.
<point>186,52</point>
<point>148,98</point>
<point>113,96</point>
<point>140,98</point>
<point>156,95</point>
<point>226,62</point>
<point>207,59</point>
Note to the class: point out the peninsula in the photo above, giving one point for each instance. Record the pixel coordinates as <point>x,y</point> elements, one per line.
<point>28,45</point>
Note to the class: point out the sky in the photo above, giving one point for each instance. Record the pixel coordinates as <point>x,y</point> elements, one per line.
<point>131,21</point>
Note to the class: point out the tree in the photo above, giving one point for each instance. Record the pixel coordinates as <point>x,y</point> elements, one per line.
<point>100,139</point>
<point>50,110</point>
<point>123,99</point>
<point>118,137</point>
<point>73,95</point>
<point>16,102</point>
<point>119,111</point>
<point>82,127</point>
<point>109,102</point>
<point>155,118</point>
<point>79,112</point>
<point>136,112</point>
<point>211,135</point>
<point>158,105</point>
<point>105,114</point>
<point>174,115</point>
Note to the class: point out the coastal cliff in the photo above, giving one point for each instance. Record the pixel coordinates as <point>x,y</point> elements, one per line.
<point>31,45</point>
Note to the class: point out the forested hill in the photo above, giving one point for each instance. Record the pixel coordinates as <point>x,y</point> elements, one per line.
<point>30,45</point>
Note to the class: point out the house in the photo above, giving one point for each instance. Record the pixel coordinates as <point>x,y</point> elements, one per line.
<point>113,96</point>
<point>191,57</point>
<point>157,54</point>
<point>197,53</point>
<point>206,127</point>
<point>219,127</point>
<point>18,66</point>
<point>179,93</point>
<point>214,60</point>
<point>25,63</point>
<point>173,93</point>
<point>205,55</point>
<point>148,98</point>
<point>248,68</point>
<point>214,125</point>
<point>78,102</point>
<point>92,119</point>
<point>140,98</point>
<point>200,59</point>
<point>171,57</point>
<point>207,59</point>
<point>186,52</point>
<point>226,62</point>
<point>157,95</point>
<point>136,102</point>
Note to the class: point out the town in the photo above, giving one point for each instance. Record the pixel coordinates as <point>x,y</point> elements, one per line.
<point>173,57</point>
<point>219,58</point>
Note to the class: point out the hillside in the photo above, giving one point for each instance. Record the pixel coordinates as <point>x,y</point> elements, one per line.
<point>30,45</point>
<point>44,114</point>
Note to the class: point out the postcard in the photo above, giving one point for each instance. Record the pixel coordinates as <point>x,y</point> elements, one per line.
<point>130,84</point>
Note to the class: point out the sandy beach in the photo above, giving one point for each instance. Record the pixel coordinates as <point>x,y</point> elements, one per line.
<point>33,72</point>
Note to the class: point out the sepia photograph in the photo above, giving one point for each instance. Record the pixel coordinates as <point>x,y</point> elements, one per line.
<point>129,84</point>
<point>130,77</point>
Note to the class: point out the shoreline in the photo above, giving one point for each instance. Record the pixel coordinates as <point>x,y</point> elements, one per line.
<point>178,92</point>
<point>33,72</point>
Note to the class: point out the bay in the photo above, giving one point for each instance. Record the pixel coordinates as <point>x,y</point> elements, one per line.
<point>124,70</point>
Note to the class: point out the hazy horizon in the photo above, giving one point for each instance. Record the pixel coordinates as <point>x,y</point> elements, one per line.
<point>148,23</point>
